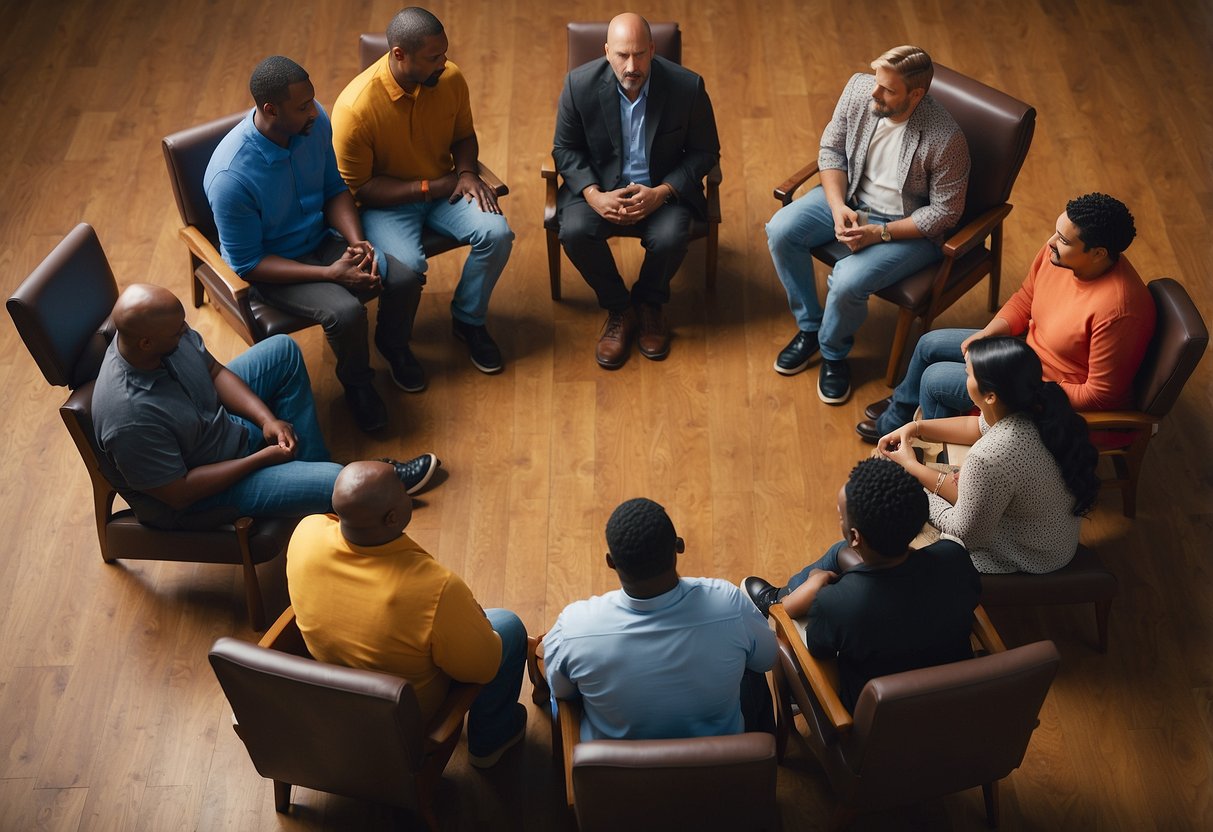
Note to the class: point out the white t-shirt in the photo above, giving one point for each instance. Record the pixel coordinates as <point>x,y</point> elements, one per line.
<point>879,188</point>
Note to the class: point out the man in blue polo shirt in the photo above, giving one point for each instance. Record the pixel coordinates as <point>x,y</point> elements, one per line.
<point>288,224</point>
<point>664,656</point>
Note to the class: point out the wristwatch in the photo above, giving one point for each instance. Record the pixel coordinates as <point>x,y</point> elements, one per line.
<point>885,236</point>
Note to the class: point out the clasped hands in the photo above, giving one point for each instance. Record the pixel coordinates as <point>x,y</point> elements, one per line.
<point>850,233</point>
<point>627,205</point>
<point>356,269</point>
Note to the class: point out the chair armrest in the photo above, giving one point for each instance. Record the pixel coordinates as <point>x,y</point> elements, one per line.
<point>822,676</point>
<point>1117,419</point>
<point>493,180</point>
<point>448,719</point>
<point>551,186</point>
<point>972,235</point>
<point>568,719</point>
<point>548,169</point>
<point>283,635</point>
<point>713,193</point>
<point>985,632</point>
<point>536,672</point>
<point>204,250</point>
<point>784,191</point>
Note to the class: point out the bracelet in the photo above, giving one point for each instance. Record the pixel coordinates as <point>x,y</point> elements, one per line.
<point>425,190</point>
<point>939,483</point>
<point>467,170</point>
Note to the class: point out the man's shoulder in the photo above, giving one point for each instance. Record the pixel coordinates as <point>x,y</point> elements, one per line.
<point>589,73</point>
<point>933,117</point>
<point>231,153</point>
<point>358,91</point>
<point>674,73</point>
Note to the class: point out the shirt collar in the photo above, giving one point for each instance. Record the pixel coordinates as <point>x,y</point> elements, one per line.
<point>657,602</point>
<point>644,93</point>
<point>269,151</point>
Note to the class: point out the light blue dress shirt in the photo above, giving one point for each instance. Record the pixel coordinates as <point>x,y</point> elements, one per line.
<point>631,119</point>
<point>656,668</point>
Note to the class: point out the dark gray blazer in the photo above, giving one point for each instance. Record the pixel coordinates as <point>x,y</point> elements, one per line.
<point>680,132</point>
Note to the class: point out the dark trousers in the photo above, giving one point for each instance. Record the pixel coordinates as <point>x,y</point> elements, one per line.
<point>342,314</point>
<point>756,707</point>
<point>665,235</point>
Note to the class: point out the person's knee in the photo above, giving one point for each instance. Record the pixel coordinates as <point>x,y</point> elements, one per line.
<point>849,282</point>
<point>493,234</point>
<point>511,630</point>
<point>400,279</point>
<point>346,316</point>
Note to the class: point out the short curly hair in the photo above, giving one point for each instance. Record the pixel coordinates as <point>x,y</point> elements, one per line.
<point>641,538</point>
<point>1102,222</point>
<point>410,27</point>
<point>886,504</point>
<point>270,81</point>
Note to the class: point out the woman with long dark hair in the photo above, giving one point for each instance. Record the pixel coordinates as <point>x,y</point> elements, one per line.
<point>1030,477</point>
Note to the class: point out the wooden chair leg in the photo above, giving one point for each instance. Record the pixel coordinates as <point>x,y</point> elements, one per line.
<point>990,792</point>
<point>282,796</point>
<point>710,256</point>
<point>905,319</point>
<point>252,587</point>
<point>1102,608</point>
<point>554,263</point>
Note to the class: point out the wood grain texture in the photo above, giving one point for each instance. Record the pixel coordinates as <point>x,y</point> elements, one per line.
<point>110,717</point>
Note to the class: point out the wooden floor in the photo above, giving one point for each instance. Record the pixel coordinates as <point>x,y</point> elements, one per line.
<point>110,717</point>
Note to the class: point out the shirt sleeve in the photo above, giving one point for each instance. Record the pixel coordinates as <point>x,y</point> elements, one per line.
<point>554,660</point>
<point>1017,311</point>
<point>760,657</point>
<point>983,494</point>
<point>147,456</point>
<point>353,150</point>
<point>822,636</point>
<point>464,645</point>
<point>333,183</point>
<point>1115,353</point>
<point>238,219</point>
<point>949,183</point>
<point>832,154</point>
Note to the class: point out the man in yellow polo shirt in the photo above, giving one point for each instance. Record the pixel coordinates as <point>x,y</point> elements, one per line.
<point>406,146</point>
<point>367,596</point>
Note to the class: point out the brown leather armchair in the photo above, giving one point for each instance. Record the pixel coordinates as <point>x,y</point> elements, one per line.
<point>672,783</point>
<point>920,734</point>
<point>999,131</point>
<point>62,314</point>
<point>585,41</point>
<point>335,729</point>
<point>1180,339</point>
<point>187,153</point>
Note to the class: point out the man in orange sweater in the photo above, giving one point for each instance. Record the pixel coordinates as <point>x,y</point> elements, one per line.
<point>1085,311</point>
<point>366,595</point>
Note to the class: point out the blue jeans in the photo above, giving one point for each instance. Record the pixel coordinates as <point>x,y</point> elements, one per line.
<point>935,381</point>
<point>495,717</point>
<point>828,562</point>
<point>275,372</point>
<point>807,222</point>
<point>397,232</point>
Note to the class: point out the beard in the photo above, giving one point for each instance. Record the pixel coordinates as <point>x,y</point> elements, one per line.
<point>432,81</point>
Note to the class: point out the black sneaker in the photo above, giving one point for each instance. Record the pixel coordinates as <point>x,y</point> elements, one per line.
<point>486,357</point>
<point>406,371</point>
<point>762,593</point>
<point>416,472</point>
<point>370,413</point>
<point>795,356</point>
<point>834,381</point>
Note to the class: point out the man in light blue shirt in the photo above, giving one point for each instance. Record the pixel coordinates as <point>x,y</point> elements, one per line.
<point>664,656</point>
<point>288,224</point>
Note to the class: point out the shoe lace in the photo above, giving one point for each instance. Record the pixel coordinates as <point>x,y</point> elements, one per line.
<point>614,325</point>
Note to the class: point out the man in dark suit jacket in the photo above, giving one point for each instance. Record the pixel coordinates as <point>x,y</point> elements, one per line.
<point>635,136</point>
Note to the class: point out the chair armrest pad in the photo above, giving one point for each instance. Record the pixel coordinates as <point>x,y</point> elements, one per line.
<point>814,671</point>
<point>1105,419</point>
<point>784,191</point>
<point>449,717</point>
<point>493,180</point>
<point>971,235</point>
<point>548,169</point>
<point>983,628</point>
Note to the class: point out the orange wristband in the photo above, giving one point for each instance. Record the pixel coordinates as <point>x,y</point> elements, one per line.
<point>425,189</point>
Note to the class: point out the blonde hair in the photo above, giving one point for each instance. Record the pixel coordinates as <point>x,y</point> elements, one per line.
<point>911,63</point>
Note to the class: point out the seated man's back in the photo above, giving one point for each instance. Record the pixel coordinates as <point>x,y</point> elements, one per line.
<point>664,656</point>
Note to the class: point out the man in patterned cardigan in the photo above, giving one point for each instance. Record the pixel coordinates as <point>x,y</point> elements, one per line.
<point>894,170</point>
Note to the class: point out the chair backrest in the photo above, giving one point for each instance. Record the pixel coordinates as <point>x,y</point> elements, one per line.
<point>1179,341</point>
<point>335,729</point>
<point>62,309</point>
<point>998,129</point>
<point>699,783</point>
<point>586,40</point>
<point>187,153</point>
<point>371,46</point>
<point>937,730</point>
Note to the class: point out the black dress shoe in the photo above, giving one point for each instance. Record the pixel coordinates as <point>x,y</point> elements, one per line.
<point>485,354</point>
<point>795,356</point>
<point>762,593</point>
<point>876,409</point>
<point>370,413</point>
<point>834,381</point>
<point>406,370</point>
<point>416,472</point>
<point>867,431</point>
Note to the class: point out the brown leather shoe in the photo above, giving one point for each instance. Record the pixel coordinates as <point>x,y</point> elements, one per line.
<point>867,431</point>
<point>875,409</point>
<point>616,339</point>
<point>654,332</point>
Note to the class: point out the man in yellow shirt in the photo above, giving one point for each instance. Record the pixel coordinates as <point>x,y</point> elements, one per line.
<point>406,146</point>
<point>366,595</point>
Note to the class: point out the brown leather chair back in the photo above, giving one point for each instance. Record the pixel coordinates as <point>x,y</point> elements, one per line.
<point>998,129</point>
<point>62,309</point>
<point>187,153</point>
<point>586,40</point>
<point>938,730</point>
<point>371,46</point>
<point>700,783</point>
<point>336,729</point>
<point>1180,339</point>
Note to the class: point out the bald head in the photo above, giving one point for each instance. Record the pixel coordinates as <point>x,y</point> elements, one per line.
<point>371,502</point>
<point>629,50</point>
<point>144,310</point>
